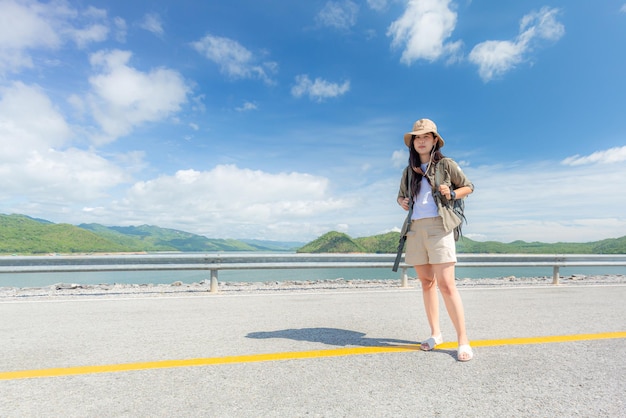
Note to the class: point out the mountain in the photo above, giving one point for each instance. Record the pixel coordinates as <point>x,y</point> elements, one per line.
<point>20,234</point>
<point>264,245</point>
<point>607,246</point>
<point>24,235</point>
<point>336,242</point>
<point>385,243</point>
<point>154,238</point>
<point>333,242</point>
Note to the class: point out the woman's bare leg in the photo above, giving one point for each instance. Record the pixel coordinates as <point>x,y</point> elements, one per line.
<point>426,275</point>
<point>444,275</point>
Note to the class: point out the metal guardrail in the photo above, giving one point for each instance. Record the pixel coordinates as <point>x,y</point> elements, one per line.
<point>253,261</point>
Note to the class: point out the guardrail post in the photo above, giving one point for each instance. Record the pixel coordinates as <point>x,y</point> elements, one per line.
<point>404,282</point>
<point>213,281</point>
<point>555,275</point>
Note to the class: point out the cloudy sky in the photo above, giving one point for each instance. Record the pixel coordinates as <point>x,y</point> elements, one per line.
<point>283,120</point>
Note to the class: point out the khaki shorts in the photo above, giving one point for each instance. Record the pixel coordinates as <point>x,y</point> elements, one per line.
<point>428,243</point>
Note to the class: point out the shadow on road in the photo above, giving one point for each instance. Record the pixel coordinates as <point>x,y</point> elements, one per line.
<point>330,336</point>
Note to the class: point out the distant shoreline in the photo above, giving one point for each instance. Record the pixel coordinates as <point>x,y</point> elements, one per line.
<point>73,291</point>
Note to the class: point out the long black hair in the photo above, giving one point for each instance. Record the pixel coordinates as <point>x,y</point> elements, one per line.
<point>415,162</point>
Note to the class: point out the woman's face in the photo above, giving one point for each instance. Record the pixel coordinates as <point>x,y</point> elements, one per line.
<point>424,143</point>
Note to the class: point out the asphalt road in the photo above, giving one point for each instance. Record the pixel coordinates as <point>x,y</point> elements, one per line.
<point>539,351</point>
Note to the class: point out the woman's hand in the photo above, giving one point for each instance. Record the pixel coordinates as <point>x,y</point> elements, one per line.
<point>445,191</point>
<point>404,202</point>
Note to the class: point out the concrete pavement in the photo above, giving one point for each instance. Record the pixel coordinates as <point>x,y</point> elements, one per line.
<point>539,351</point>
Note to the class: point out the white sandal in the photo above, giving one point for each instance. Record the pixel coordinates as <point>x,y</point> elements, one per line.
<point>464,349</point>
<point>432,342</point>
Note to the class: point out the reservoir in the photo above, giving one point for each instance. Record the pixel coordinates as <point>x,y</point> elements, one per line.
<point>282,275</point>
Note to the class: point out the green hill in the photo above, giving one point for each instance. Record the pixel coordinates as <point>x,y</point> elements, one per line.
<point>154,238</point>
<point>23,235</point>
<point>607,246</point>
<point>264,245</point>
<point>385,243</point>
<point>118,237</point>
<point>610,246</point>
<point>335,242</point>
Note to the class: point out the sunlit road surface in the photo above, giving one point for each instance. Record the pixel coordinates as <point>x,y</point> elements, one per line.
<point>538,351</point>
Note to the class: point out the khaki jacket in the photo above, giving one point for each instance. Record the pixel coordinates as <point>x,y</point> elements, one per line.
<point>453,177</point>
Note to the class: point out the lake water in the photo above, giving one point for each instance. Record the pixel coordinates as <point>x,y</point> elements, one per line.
<point>166,277</point>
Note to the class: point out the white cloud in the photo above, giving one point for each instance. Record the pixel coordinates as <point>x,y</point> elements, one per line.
<point>121,28</point>
<point>35,30</point>
<point>152,23</point>
<point>340,15</point>
<point>610,156</point>
<point>541,25</point>
<point>546,202</point>
<point>124,97</point>
<point>95,13</point>
<point>44,26</point>
<point>319,89</point>
<point>36,26</point>
<point>231,202</point>
<point>378,5</point>
<point>234,59</point>
<point>623,8</point>
<point>29,120</point>
<point>38,163</point>
<point>93,33</point>
<point>400,158</point>
<point>495,58</point>
<point>423,31</point>
<point>71,175</point>
<point>247,106</point>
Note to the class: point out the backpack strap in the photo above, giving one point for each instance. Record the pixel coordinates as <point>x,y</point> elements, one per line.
<point>409,179</point>
<point>406,227</point>
<point>439,179</point>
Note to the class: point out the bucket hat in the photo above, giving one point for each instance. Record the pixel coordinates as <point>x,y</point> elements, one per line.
<point>420,127</point>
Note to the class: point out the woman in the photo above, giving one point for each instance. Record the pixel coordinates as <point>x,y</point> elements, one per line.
<point>430,245</point>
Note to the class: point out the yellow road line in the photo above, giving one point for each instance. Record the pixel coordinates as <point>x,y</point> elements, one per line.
<point>255,358</point>
<point>166,364</point>
<point>539,340</point>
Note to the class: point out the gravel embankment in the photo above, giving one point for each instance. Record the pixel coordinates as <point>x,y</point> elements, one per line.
<point>69,290</point>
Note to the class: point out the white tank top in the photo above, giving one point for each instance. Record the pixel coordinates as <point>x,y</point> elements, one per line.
<point>424,205</point>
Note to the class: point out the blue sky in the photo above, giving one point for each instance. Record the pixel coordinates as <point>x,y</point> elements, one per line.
<point>284,120</point>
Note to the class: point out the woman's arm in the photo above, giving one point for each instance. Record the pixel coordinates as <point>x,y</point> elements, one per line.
<point>459,193</point>
<point>403,192</point>
<point>464,187</point>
